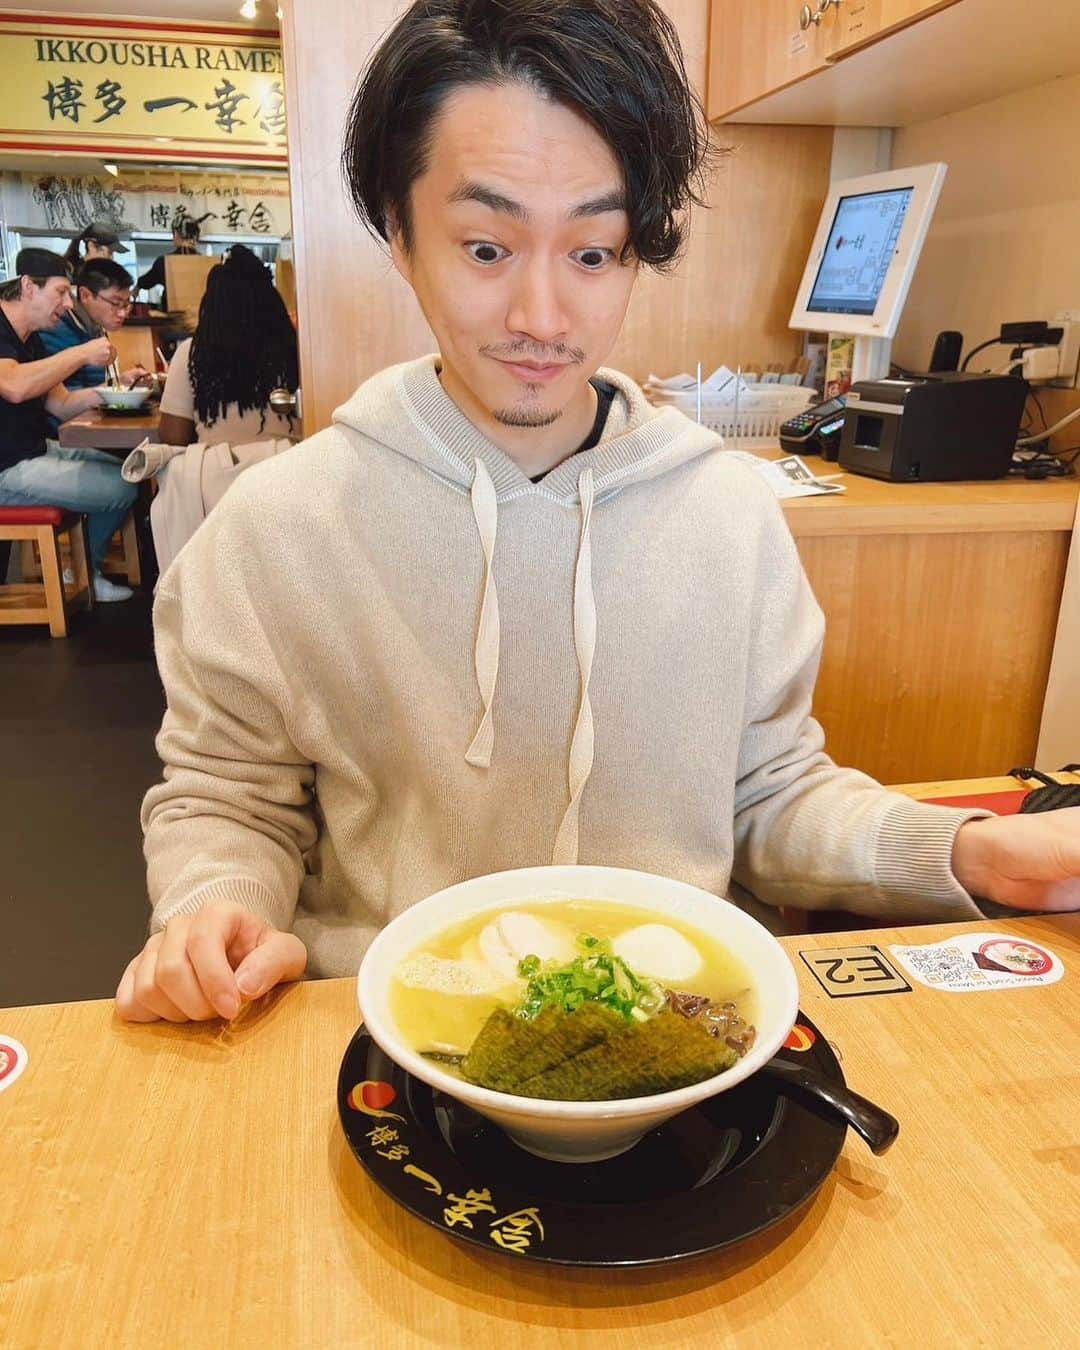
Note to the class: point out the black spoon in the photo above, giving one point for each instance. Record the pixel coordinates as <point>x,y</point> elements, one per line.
<point>871,1122</point>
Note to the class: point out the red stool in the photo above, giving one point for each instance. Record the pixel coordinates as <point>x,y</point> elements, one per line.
<point>47,601</point>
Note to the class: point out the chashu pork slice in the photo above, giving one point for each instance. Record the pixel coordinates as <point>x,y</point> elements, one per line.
<point>513,936</point>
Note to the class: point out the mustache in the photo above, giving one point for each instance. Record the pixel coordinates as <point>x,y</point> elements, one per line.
<point>542,353</point>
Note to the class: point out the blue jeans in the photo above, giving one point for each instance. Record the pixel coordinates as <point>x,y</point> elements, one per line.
<point>87,481</point>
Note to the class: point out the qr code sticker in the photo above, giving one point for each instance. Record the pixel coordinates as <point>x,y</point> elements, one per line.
<point>970,961</point>
<point>942,965</point>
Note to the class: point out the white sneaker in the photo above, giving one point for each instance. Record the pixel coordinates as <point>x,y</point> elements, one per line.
<point>106,591</point>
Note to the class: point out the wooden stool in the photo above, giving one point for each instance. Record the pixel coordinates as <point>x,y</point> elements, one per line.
<point>47,601</point>
<point>121,560</point>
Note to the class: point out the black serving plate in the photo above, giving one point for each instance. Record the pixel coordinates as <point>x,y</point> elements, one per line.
<point>726,1169</point>
<point>141,411</point>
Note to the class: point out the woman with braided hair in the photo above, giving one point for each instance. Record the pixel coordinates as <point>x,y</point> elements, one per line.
<point>244,346</point>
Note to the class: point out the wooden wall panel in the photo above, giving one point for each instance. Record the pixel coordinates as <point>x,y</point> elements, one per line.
<point>729,299</point>
<point>920,679</point>
<point>354,313</point>
<point>1002,244</point>
<point>731,296</point>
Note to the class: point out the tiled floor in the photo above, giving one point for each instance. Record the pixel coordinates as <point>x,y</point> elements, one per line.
<point>77,723</point>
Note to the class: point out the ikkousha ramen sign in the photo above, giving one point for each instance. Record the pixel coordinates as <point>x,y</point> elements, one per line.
<point>136,90</point>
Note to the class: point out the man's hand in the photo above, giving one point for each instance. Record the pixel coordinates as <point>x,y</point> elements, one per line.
<point>208,965</point>
<point>1028,861</point>
<point>135,377</point>
<point>98,351</point>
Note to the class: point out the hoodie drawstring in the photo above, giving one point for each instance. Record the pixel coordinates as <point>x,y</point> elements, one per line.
<point>581,747</point>
<point>486,653</point>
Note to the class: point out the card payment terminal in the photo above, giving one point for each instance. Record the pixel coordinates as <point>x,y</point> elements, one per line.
<point>815,431</point>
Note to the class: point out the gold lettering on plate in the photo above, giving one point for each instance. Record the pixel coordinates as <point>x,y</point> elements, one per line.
<point>462,1207</point>
<point>514,1231</point>
<point>431,1183</point>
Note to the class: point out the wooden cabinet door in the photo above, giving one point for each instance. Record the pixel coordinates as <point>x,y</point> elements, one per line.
<point>852,23</point>
<point>858,22</point>
<point>757,47</point>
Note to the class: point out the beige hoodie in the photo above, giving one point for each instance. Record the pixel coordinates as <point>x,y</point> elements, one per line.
<point>392,662</point>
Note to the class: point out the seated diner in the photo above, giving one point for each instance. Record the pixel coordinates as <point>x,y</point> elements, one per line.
<point>101,292</point>
<point>35,470</point>
<point>243,348</point>
<point>419,680</point>
<point>576,834</point>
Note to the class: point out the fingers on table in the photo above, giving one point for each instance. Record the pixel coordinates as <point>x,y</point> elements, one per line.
<point>277,958</point>
<point>175,976</point>
<point>138,998</point>
<point>211,959</point>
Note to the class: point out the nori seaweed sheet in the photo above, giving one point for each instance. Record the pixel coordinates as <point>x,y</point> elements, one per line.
<point>592,1054</point>
<point>509,1050</point>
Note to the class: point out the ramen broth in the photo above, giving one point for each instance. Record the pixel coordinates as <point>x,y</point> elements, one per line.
<point>444,1022</point>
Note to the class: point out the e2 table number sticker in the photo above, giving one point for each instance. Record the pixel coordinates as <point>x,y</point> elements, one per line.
<point>975,961</point>
<point>847,972</point>
<point>12,1061</point>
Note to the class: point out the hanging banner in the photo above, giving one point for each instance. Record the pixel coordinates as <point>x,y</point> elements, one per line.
<point>147,202</point>
<point>129,89</point>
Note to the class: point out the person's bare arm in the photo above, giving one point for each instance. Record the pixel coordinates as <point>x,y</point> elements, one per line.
<point>64,403</point>
<point>175,430</point>
<point>20,381</point>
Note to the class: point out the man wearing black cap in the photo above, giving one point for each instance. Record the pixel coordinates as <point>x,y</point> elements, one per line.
<point>33,470</point>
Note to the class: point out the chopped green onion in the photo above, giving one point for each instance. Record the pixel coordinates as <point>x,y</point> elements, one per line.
<point>599,977</point>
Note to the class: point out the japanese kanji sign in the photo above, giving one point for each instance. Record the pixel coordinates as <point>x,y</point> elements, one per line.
<point>111,87</point>
<point>245,204</point>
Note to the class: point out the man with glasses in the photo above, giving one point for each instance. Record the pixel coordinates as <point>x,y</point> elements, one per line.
<point>37,384</point>
<point>102,303</point>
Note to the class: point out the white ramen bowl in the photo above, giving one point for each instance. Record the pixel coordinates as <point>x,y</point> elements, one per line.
<point>580,1131</point>
<point>123,398</point>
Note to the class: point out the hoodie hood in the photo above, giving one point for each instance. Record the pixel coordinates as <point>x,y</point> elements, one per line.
<point>638,443</point>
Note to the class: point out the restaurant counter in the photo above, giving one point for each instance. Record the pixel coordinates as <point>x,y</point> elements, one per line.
<point>192,1186</point>
<point>941,603</point>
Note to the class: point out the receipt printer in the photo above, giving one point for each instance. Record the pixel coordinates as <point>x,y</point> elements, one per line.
<point>932,427</point>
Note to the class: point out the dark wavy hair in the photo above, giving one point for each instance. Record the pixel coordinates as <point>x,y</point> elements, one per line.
<point>617,63</point>
<point>244,344</point>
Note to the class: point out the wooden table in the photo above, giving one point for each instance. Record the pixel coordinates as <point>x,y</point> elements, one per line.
<point>968,787</point>
<point>190,1186</point>
<point>941,605</point>
<point>96,430</point>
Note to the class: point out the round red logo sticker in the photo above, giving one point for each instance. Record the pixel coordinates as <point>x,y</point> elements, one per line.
<point>12,1061</point>
<point>799,1038</point>
<point>372,1097</point>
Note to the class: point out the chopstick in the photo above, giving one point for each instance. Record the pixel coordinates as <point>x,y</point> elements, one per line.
<point>113,373</point>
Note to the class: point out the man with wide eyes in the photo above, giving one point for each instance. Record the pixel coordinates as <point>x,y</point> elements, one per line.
<point>508,613</point>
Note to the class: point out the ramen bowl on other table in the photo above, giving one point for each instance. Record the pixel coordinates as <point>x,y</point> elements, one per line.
<point>123,398</point>
<point>579,1131</point>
